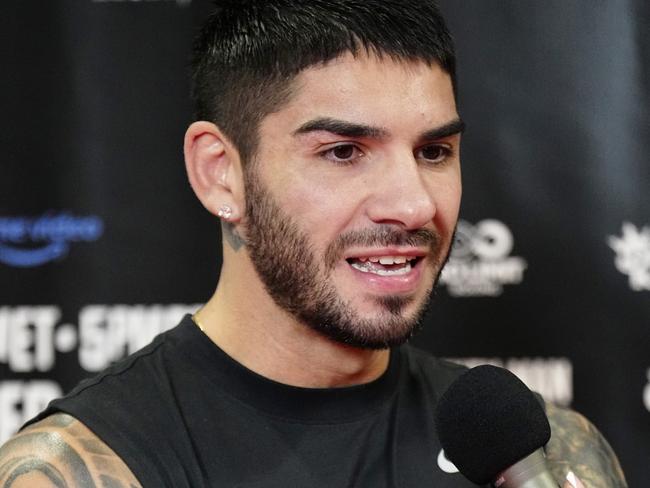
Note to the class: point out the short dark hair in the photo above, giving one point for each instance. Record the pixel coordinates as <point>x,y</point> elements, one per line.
<point>249,51</point>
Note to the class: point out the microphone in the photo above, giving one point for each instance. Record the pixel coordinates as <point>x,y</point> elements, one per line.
<point>493,428</point>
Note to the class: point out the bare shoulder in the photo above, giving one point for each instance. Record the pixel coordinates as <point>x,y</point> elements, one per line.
<point>577,445</point>
<point>61,452</point>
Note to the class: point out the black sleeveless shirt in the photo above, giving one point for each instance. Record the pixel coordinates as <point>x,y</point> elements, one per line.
<point>181,413</point>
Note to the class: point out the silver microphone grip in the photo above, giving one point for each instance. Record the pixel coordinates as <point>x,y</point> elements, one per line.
<point>530,472</point>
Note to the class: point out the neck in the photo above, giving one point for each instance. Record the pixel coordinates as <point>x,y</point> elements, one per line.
<point>247,325</point>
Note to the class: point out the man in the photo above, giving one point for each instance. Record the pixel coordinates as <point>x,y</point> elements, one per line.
<point>327,142</point>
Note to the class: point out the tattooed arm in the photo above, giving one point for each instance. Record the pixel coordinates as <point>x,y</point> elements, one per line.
<point>578,446</point>
<point>61,452</point>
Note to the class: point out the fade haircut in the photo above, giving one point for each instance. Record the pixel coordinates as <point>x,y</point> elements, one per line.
<point>249,51</point>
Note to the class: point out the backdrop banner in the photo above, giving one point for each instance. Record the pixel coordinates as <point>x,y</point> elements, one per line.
<point>103,244</point>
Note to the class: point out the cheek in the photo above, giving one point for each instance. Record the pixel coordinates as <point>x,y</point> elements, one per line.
<point>323,211</point>
<point>447,200</point>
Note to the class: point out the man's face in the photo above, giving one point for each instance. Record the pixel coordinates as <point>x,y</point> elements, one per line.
<point>353,197</point>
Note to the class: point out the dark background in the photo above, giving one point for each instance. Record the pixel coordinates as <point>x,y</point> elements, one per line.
<point>556,98</point>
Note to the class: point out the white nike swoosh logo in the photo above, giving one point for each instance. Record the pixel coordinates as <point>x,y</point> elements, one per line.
<point>445,464</point>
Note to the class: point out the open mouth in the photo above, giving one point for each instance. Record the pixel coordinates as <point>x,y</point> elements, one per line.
<point>384,265</point>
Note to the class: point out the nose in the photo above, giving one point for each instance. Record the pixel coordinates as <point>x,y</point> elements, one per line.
<point>400,194</point>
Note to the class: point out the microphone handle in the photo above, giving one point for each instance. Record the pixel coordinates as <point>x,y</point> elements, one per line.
<point>530,472</point>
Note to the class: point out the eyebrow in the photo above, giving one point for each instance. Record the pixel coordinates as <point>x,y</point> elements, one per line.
<point>451,128</point>
<point>341,128</point>
<point>351,129</point>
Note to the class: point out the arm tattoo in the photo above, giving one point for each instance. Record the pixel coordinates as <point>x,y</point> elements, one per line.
<point>578,446</point>
<point>60,452</point>
<point>232,236</point>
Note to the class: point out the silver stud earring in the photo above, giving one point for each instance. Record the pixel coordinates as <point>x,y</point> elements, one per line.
<point>224,212</point>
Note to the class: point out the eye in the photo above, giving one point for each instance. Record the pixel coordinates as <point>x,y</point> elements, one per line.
<point>342,154</point>
<point>434,153</point>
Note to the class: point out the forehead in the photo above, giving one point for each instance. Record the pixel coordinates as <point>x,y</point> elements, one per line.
<point>367,89</point>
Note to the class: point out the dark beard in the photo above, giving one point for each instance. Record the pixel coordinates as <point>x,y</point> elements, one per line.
<point>299,283</point>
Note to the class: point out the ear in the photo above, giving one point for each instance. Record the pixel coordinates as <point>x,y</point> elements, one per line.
<point>214,169</point>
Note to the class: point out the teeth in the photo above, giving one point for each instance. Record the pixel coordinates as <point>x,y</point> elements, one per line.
<point>361,267</point>
<point>367,267</point>
<point>392,272</point>
<point>388,259</point>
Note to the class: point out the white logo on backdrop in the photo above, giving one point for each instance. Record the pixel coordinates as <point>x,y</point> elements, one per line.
<point>633,255</point>
<point>550,377</point>
<point>480,262</point>
<point>32,337</point>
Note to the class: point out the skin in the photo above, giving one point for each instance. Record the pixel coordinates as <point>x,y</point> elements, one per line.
<point>60,452</point>
<point>576,445</point>
<point>388,183</point>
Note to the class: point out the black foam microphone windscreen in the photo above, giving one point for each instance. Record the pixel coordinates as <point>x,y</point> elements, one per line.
<point>487,420</point>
